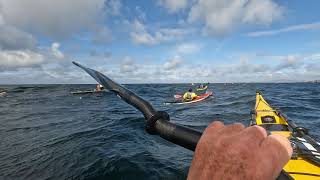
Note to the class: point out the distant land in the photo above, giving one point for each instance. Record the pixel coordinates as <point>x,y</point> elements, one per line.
<point>314,81</point>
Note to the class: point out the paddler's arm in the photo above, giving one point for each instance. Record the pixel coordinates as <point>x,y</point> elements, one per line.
<point>236,152</point>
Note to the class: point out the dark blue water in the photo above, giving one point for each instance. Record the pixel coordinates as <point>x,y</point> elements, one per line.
<point>47,133</point>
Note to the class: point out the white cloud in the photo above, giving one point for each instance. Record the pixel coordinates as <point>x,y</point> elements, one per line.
<point>128,65</point>
<point>289,68</point>
<point>55,50</point>
<point>173,63</point>
<point>223,16</point>
<point>291,58</point>
<point>114,7</point>
<point>57,18</point>
<point>141,35</point>
<point>140,14</point>
<point>300,27</point>
<point>314,57</point>
<point>10,59</point>
<point>13,60</point>
<point>174,5</point>
<point>12,38</point>
<point>188,48</point>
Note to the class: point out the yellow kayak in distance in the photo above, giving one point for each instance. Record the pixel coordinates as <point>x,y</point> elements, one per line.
<point>202,89</point>
<point>305,161</point>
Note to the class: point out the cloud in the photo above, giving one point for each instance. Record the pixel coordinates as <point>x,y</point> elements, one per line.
<point>289,68</point>
<point>313,67</point>
<point>188,48</point>
<point>244,69</point>
<point>174,5</point>
<point>13,59</point>
<point>291,58</point>
<point>128,65</point>
<point>12,38</point>
<point>44,75</point>
<point>173,63</point>
<point>55,50</point>
<point>314,57</point>
<point>294,62</point>
<point>141,35</point>
<point>113,7</point>
<point>140,14</point>
<point>300,27</point>
<point>95,53</point>
<point>107,54</point>
<point>102,35</point>
<point>223,16</point>
<point>58,18</point>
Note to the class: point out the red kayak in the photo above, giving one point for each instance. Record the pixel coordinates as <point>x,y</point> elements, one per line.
<point>179,98</point>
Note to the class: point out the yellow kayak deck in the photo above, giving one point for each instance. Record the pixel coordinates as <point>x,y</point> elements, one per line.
<point>298,167</point>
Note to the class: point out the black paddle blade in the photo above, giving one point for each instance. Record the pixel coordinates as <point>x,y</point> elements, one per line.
<point>125,94</point>
<point>99,77</point>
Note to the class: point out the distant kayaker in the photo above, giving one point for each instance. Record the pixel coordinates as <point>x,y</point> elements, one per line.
<point>189,96</point>
<point>236,152</point>
<point>99,87</point>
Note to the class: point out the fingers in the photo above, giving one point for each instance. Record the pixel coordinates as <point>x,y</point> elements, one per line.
<point>278,149</point>
<point>218,127</point>
<point>254,134</point>
<point>281,140</point>
<point>231,129</point>
<point>214,127</point>
<point>285,142</point>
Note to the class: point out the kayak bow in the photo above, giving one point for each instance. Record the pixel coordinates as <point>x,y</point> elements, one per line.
<point>305,161</point>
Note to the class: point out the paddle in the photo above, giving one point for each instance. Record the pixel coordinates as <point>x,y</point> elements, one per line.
<point>157,122</point>
<point>301,133</point>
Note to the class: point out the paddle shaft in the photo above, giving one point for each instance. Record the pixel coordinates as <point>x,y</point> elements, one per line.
<point>185,137</point>
<point>180,135</point>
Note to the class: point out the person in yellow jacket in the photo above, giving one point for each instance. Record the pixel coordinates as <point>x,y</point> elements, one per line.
<point>189,96</point>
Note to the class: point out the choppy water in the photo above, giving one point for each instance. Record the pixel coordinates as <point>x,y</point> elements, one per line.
<point>47,133</point>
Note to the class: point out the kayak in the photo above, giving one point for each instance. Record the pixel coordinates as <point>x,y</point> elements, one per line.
<point>305,160</point>
<point>179,98</point>
<point>87,91</point>
<point>202,89</point>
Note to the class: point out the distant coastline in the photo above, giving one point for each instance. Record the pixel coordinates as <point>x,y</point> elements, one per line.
<point>314,81</point>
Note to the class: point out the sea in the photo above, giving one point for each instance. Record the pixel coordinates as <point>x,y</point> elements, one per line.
<point>48,133</point>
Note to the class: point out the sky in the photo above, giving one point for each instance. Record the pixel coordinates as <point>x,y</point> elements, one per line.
<point>159,41</point>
